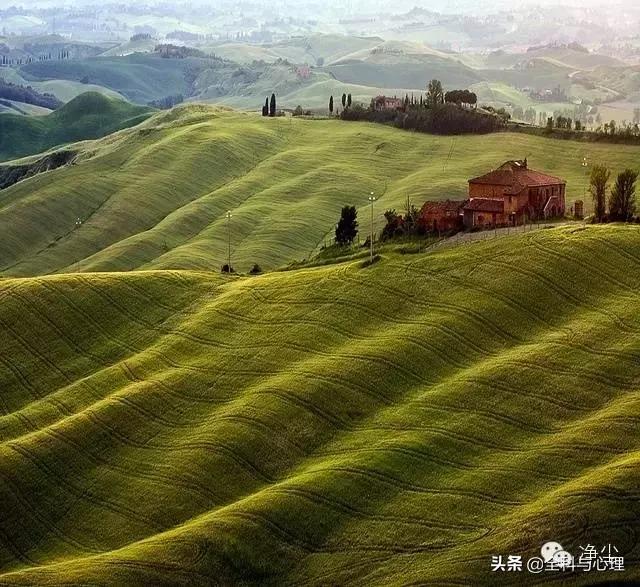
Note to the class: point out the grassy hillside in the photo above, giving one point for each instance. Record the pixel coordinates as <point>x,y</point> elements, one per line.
<point>398,424</point>
<point>309,49</point>
<point>64,90</point>
<point>155,196</point>
<point>140,77</point>
<point>88,116</point>
<point>14,107</point>
<point>400,70</point>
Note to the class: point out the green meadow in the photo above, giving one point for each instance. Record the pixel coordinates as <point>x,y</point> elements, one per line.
<point>393,424</point>
<point>88,116</point>
<point>156,196</point>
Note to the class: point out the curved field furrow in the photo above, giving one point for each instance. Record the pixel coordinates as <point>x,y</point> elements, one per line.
<point>399,423</point>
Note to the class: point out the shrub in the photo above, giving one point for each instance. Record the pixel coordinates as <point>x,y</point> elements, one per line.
<point>256,269</point>
<point>226,268</point>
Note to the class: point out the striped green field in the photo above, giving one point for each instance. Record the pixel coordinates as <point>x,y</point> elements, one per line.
<point>395,424</point>
<point>155,196</point>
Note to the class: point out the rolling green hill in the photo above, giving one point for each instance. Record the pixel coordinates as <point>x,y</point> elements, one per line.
<point>402,70</point>
<point>396,424</point>
<point>88,116</point>
<point>155,196</point>
<point>312,49</point>
<point>139,77</point>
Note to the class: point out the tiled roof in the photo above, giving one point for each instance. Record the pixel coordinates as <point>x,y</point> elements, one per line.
<point>485,205</point>
<point>441,207</point>
<point>517,176</point>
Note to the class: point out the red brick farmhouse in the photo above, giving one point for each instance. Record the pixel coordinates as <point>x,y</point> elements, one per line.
<point>512,194</point>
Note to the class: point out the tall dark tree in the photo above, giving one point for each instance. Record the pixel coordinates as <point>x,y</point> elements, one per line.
<point>622,203</point>
<point>265,108</point>
<point>344,101</point>
<point>331,105</point>
<point>347,228</point>
<point>272,106</point>
<point>598,187</point>
<point>435,94</point>
<point>349,101</point>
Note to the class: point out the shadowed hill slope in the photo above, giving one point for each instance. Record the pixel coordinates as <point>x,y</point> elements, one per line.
<point>155,196</point>
<point>89,116</point>
<point>395,424</point>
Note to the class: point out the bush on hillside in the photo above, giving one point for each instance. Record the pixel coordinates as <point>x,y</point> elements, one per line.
<point>226,268</point>
<point>256,269</point>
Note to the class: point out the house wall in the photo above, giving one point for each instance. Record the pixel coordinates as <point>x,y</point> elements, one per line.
<point>474,218</point>
<point>530,201</point>
<point>441,221</point>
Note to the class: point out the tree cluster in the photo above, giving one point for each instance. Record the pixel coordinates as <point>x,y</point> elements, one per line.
<point>433,113</point>
<point>621,203</point>
<point>167,102</point>
<point>269,107</point>
<point>141,37</point>
<point>398,226</point>
<point>462,97</point>
<point>169,51</point>
<point>28,95</point>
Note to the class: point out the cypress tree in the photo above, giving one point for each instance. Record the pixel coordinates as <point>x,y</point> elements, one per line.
<point>272,109</point>
<point>331,105</point>
<point>344,101</point>
<point>349,101</point>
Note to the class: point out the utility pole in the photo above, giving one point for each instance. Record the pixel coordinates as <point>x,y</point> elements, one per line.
<point>372,199</point>
<point>585,165</point>
<point>229,240</point>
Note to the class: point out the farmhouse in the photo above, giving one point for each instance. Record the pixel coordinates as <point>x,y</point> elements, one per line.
<point>512,194</point>
<point>386,103</point>
<point>441,216</point>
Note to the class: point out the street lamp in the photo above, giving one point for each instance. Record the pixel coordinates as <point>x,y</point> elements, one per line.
<point>229,216</point>
<point>585,165</point>
<point>372,199</point>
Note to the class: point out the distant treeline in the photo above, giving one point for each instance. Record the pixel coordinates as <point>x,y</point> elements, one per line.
<point>623,136</point>
<point>167,102</point>
<point>444,119</point>
<point>169,51</point>
<point>28,95</point>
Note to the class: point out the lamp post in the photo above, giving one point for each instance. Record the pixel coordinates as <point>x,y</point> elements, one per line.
<point>372,199</point>
<point>585,165</point>
<point>228,216</point>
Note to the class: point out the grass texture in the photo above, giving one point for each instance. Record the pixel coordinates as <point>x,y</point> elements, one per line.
<point>395,424</point>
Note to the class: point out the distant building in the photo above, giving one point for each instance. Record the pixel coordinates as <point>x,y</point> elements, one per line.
<point>303,71</point>
<point>386,103</point>
<point>512,194</point>
<point>441,216</point>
